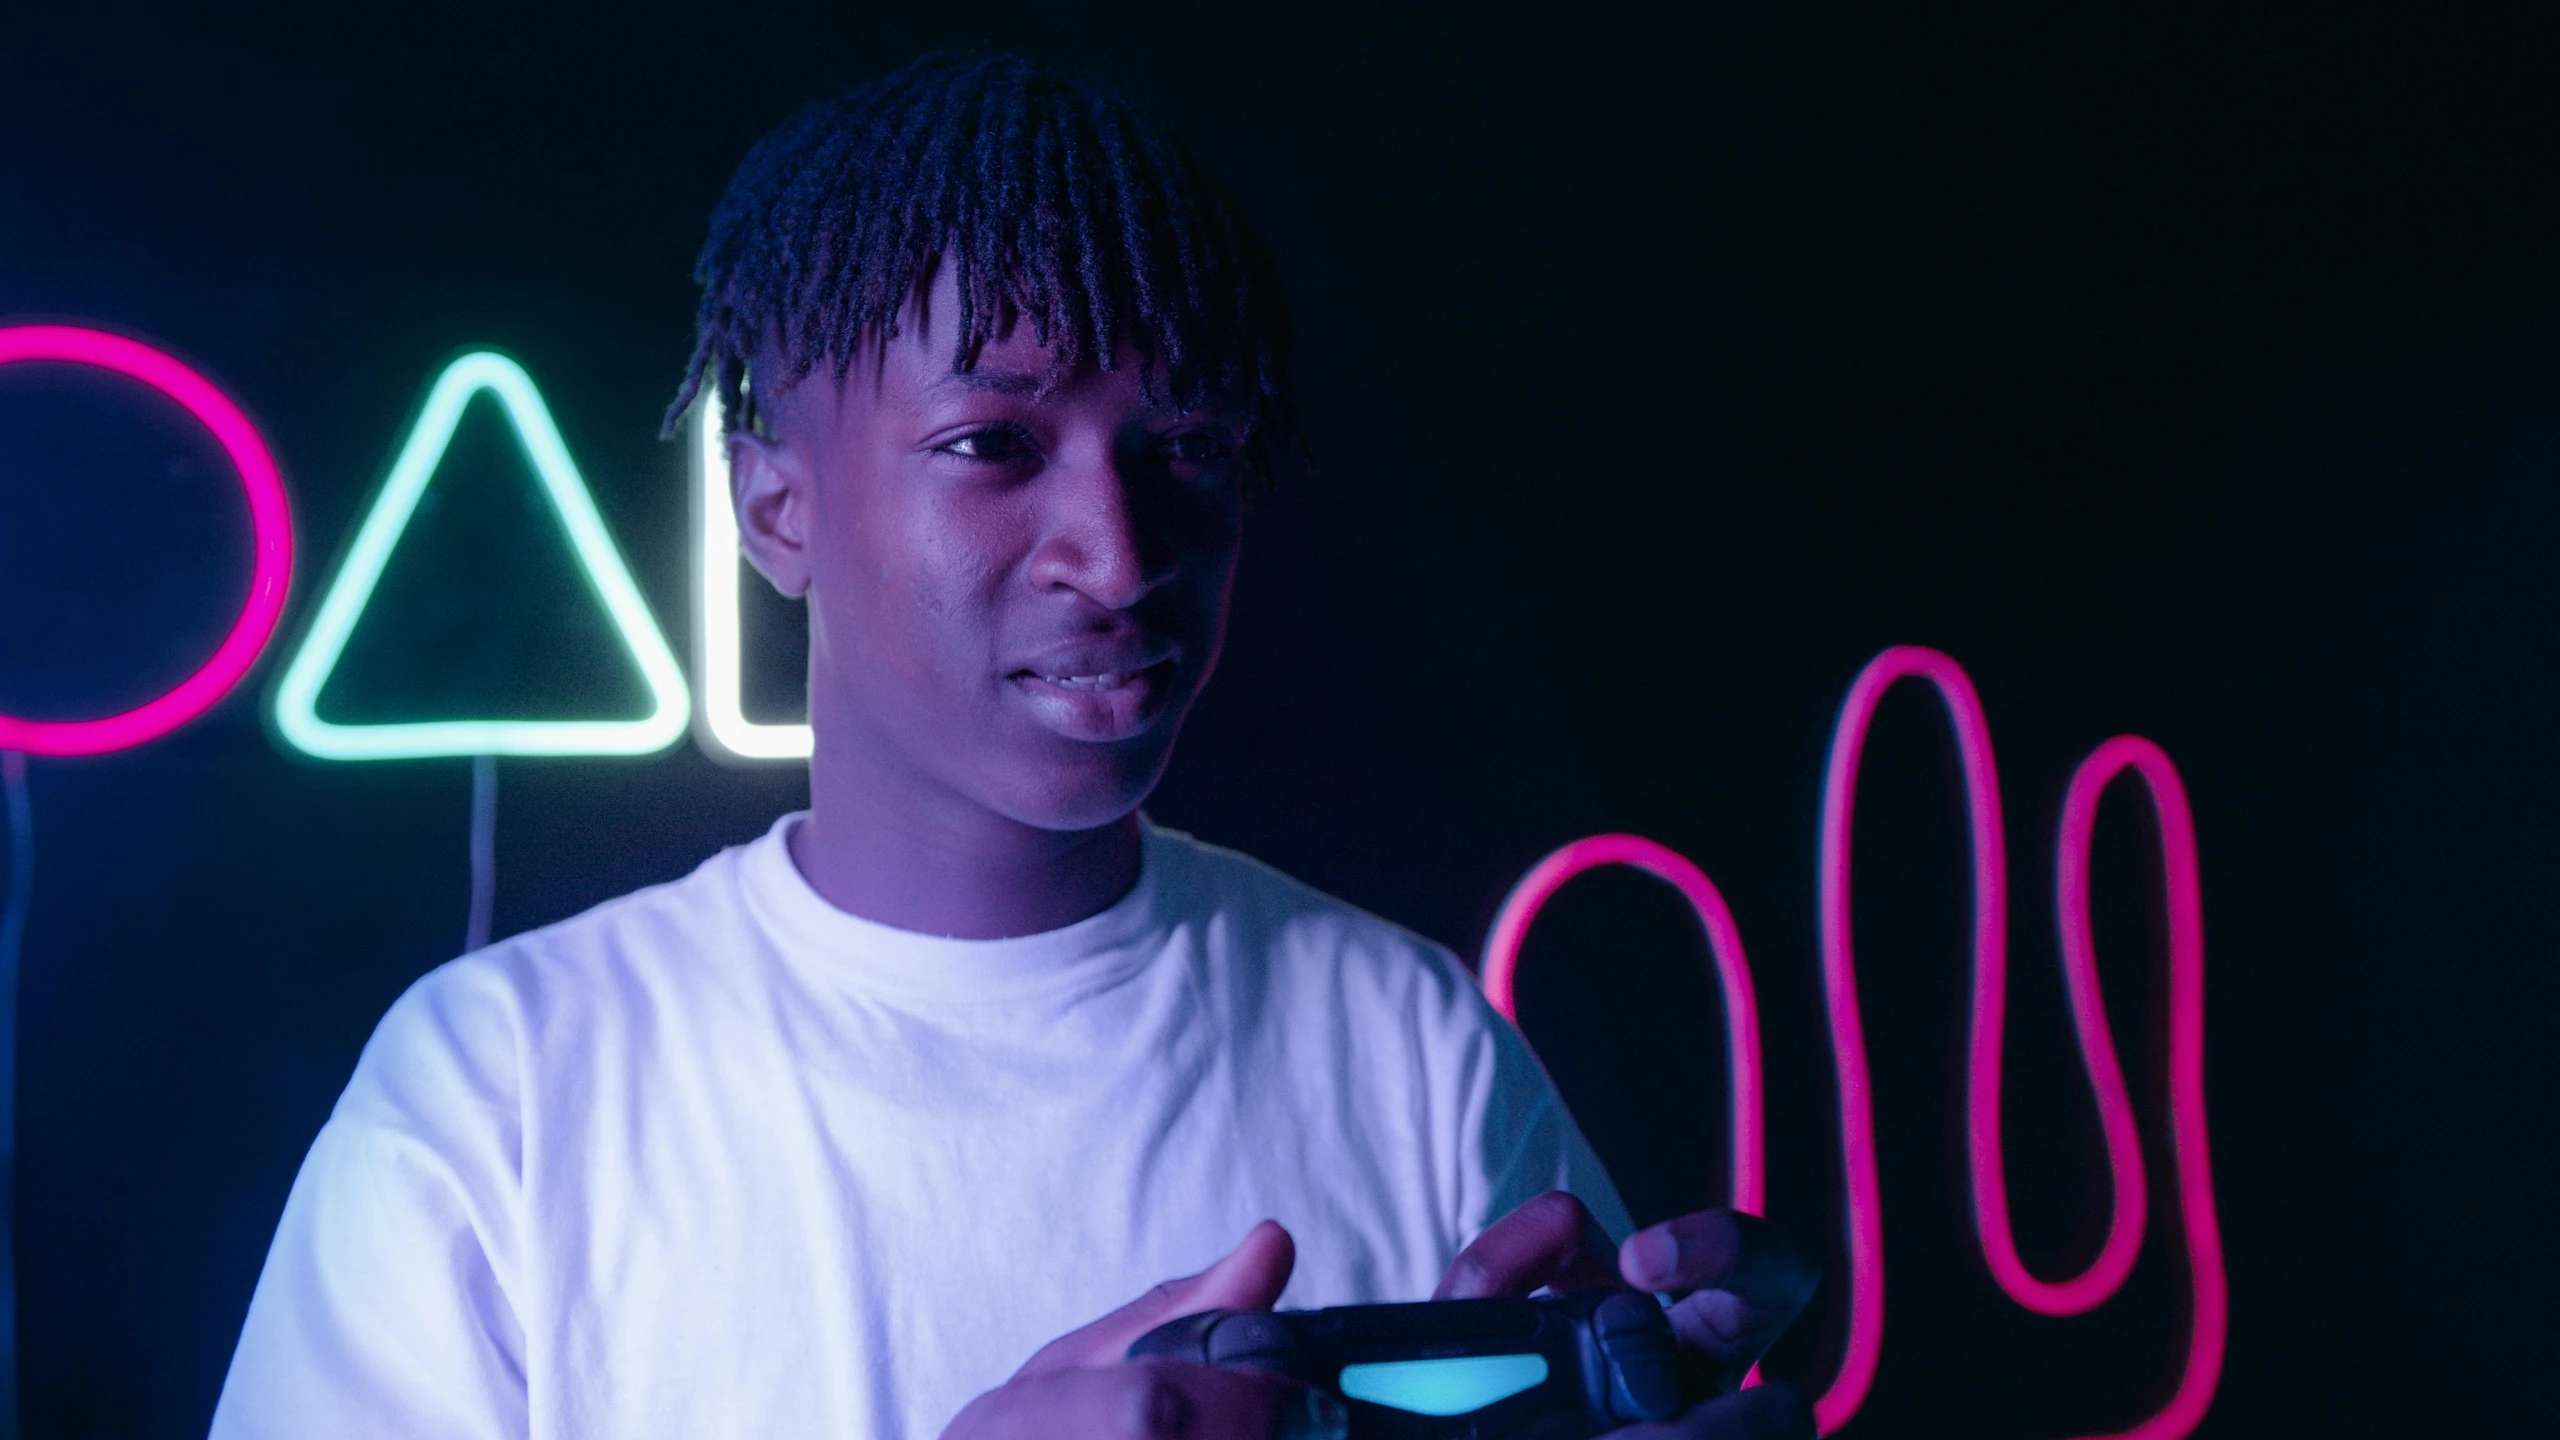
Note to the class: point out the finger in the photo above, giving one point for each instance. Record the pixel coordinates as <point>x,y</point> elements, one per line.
<point>1152,1401</point>
<point>1745,1280</point>
<point>1552,1241</point>
<point>1249,1277</point>
<point>1775,1411</point>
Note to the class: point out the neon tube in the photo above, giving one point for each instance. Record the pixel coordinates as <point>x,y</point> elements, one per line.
<point>270,523</point>
<point>297,696</point>
<point>2208,1330</point>
<point>1863,1207</point>
<point>1724,941</point>
<point>2209,1326</point>
<point>1985,1040</point>
<point>723,726</point>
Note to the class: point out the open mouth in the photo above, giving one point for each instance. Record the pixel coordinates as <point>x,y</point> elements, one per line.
<point>1097,704</point>
<point>1098,682</point>
<point>1091,684</point>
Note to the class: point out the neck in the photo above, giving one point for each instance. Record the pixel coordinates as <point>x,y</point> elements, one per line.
<point>905,856</point>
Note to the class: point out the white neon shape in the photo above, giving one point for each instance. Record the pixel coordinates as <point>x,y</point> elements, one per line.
<point>717,640</point>
<point>297,696</point>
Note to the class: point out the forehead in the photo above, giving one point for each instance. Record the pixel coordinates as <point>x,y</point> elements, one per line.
<point>917,371</point>
<point>924,361</point>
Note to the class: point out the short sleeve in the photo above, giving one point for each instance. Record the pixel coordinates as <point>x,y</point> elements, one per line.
<point>385,1307</point>
<point>1521,1138</point>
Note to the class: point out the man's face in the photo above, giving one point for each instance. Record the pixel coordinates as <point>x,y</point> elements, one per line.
<point>1014,597</point>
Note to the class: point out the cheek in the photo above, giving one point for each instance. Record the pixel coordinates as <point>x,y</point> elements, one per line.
<point>962,557</point>
<point>919,585</point>
<point>955,564</point>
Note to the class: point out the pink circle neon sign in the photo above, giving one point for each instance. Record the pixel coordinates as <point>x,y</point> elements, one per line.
<point>270,519</point>
<point>2209,1326</point>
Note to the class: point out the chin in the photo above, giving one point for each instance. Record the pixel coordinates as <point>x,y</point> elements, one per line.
<point>1095,790</point>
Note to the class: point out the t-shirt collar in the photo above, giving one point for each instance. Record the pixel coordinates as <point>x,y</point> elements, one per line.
<point>1095,952</point>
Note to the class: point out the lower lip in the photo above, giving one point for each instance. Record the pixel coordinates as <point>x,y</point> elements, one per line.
<point>1114,712</point>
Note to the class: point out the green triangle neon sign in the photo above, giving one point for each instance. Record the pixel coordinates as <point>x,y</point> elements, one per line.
<point>297,695</point>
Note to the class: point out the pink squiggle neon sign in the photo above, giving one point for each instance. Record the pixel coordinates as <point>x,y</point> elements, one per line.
<point>1724,941</point>
<point>2208,1329</point>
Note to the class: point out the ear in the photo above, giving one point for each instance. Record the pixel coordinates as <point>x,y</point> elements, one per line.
<point>769,482</point>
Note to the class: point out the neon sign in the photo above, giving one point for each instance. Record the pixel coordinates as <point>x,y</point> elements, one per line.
<point>271,527</point>
<point>717,642</point>
<point>1724,943</point>
<point>297,695</point>
<point>2208,1330</point>
<point>270,573</point>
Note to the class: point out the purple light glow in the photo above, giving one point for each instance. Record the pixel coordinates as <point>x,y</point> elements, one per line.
<point>2105,1276</point>
<point>270,519</point>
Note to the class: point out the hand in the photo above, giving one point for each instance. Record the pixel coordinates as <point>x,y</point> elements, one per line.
<point>1739,1279</point>
<point>1080,1388</point>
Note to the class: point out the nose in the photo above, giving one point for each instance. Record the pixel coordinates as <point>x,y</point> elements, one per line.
<point>1097,540</point>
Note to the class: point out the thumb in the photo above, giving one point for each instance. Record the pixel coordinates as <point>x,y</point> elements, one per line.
<point>1249,1277</point>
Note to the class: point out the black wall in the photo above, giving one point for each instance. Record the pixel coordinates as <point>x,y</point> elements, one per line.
<point>2188,374</point>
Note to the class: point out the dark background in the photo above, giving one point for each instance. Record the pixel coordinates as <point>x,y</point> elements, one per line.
<point>2190,374</point>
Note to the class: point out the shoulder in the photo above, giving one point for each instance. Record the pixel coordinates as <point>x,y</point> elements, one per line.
<point>1401,1019</point>
<point>464,1035</point>
<point>1236,884</point>
<point>1308,937</point>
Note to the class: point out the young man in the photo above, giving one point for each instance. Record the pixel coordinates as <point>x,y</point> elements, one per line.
<point>838,1135</point>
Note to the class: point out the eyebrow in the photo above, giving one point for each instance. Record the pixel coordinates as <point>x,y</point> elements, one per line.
<point>1003,382</point>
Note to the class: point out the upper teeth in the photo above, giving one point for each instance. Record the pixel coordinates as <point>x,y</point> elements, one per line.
<point>1108,679</point>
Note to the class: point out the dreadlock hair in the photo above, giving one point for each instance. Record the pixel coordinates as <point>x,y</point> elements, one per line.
<point>1050,194</point>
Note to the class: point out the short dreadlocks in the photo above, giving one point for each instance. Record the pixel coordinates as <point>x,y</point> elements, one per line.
<point>1051,194</point>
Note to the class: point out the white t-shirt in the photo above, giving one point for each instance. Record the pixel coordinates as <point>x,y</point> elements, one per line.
<point>718,1159</point>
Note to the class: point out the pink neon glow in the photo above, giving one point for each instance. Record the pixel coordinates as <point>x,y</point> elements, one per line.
<point>270,519</point>
<point>1985,1039</point>
<point>1864,1213</point>
<point>2105,1276</point>
<point>1724,941</point>
<point>2209,1288</point>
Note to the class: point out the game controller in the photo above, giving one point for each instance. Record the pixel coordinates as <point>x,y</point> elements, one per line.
<point>1566,1368</point>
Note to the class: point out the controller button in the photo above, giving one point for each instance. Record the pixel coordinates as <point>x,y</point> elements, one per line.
<point>1644,1358</point>
<point>1185,1339</point>
<point>1252,1338</point>
<point>1623,1313</point>
<point>1644,1379</point>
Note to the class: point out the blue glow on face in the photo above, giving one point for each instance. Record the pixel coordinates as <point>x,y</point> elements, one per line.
<point>1444,1387</point>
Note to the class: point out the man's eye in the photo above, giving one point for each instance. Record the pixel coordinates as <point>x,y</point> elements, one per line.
<point>1197,447</point>
<point>996,442</point>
